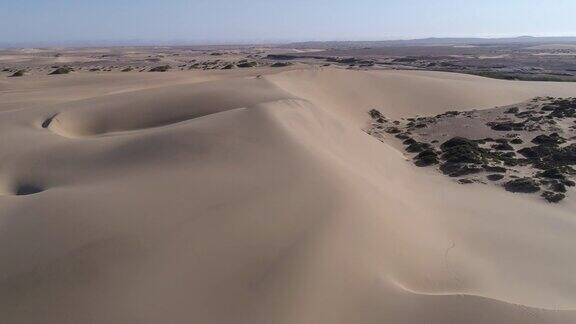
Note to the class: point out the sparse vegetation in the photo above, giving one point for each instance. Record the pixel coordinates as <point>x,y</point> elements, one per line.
<point>553,197</point>
<point>161,68</point>
<point>281,64</point>
<point>495,177</point>
<point>246,64</point>
<point>62,70</point>
<point>549,160</point>
<point>522,185</point>
<point>521,76</point>
<point>427,157</point>
<point>18,73</point>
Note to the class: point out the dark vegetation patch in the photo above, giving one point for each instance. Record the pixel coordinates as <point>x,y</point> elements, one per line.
<point>553,197</point>
<point>495,177</point>
<point>18,73</point>
<point>521,76</point>
<point>512,110</point>
<point>161,68</point>
<point>552,139</point>
<point>465,181</point>
<point>533,148</point>
<point>281,64</point>
<point>426,158</point>
<point>246,64</point>
<point>507,126</point>
<point>459,169</point>
<point>62,70</point>
<point>417,147</point>
<point>281,57</point>
<point>503,146</point>
<point>522,185</point>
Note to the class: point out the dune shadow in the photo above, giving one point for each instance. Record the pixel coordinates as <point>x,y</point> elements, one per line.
<point>25,189</point>
<point>46,123</point>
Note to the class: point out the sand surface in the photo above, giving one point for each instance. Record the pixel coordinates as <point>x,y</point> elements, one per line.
<point>255,196</point>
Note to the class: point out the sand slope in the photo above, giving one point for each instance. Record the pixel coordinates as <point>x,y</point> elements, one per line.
<point>243,199</point>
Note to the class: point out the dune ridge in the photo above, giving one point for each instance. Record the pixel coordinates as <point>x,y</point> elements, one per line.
<point>253,199</point>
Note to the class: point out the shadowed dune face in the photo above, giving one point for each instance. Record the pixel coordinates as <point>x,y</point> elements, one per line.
<point>159,106</point>
<point>21,188</point>
<point>27,189</point>
<point>261,200</point>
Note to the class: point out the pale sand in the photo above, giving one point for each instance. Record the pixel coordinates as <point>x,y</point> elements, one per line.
<point>221,197</point>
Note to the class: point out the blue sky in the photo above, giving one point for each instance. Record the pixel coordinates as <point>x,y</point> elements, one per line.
<point>219,21</point>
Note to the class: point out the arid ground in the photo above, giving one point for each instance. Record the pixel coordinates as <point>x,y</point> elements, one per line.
<point>273,193</point>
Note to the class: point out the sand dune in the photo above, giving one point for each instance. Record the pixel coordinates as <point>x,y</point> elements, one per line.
<point>140,109</point>
<point>233,198</point>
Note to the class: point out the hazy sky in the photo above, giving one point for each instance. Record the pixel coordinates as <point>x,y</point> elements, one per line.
<point>216,21</point>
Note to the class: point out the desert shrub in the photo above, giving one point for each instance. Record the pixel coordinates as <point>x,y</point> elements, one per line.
<point>62,70</point>
<point>426,158</point>
<point>281,64</point>
<point>246,64</point>
<point>462,150</point>
<point>18,73</point>
<point>522,185</point>
<point>553,197</point>
<point>495,177</point>
<point>161,68</point>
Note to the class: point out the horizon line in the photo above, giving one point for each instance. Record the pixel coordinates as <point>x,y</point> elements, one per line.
<point>135,42</point>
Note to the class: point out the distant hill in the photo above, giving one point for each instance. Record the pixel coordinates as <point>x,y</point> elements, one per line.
<point>434,41</point>
<point>437,42</point>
